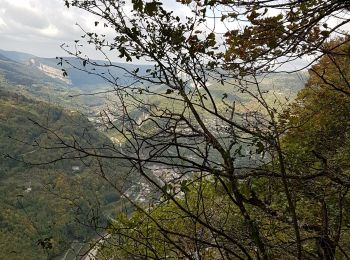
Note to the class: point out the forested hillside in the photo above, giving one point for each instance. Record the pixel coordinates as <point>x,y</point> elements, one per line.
<point>46,203</point>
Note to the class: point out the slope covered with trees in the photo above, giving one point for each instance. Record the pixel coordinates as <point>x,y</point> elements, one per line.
<point>48,197</point>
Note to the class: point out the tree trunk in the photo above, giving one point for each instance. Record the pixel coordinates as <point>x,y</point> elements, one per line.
<point>325,248</point>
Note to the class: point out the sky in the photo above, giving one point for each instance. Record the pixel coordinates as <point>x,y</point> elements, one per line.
<point>39,27</point>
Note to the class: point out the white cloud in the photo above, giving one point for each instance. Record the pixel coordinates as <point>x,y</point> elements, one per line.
<point>2,22</point>
<point>38,26</point>
<point>50,31</point>
<point>41,26</point>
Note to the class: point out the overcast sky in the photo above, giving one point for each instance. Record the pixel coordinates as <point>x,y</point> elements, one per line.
<point>39,27</point>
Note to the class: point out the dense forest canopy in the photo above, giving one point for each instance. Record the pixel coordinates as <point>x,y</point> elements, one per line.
<point>47,204</point>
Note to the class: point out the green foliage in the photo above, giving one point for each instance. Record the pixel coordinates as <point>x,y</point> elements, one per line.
<point>164,231</point>
<point>316,144</point>
<point>46,207</point>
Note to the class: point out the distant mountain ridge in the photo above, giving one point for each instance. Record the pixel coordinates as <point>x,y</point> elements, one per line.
<point>83,76</point>
<point>43,79</point>
<point>19,73</point>
<point>77,77</point>
<point>16,56</point>
<point>4,58</point>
